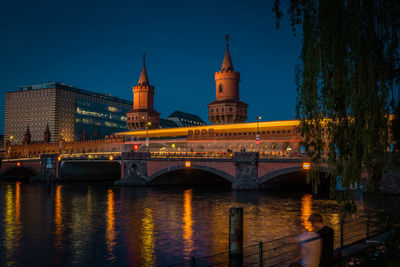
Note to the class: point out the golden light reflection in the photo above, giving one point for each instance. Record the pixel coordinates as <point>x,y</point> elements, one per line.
<point>17,202</point>
<point>187,222</point>
<point>10,229</point>
<point>110,223</point>
<point>306,211</point>
<point>148,239</point>
<point>58,215</point>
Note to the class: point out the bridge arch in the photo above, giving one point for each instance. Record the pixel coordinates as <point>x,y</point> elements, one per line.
<point>180,167</point>
<point>14,171</point>
<point>285,171</point>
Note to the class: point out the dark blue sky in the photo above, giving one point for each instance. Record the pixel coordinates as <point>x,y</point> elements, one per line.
<point>98,46</point>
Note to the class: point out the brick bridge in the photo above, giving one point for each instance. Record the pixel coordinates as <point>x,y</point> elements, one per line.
<point>243,170</point>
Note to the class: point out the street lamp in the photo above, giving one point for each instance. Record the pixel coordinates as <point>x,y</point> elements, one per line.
<point>147,135</point>
<point>258,133</point>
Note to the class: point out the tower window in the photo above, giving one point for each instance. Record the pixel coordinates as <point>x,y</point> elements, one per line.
<point>230,109</point>
<point>220,88</point>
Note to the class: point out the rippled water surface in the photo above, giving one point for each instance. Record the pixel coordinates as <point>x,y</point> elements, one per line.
<point>99,224</point>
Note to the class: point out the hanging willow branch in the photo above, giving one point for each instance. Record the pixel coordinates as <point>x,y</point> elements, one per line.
<point>347,84</point>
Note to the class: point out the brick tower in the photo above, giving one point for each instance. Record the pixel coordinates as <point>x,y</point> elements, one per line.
<point>143,115</point>
<point>227,108</point>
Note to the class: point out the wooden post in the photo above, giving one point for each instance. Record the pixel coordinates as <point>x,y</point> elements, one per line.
<point>236,236</point>
<point>341,234</point>
<point>260,252</point>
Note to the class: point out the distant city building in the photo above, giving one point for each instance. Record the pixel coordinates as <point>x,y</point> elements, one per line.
<point>183,119</point>
<point>227,108</point>
<point>54,110</point>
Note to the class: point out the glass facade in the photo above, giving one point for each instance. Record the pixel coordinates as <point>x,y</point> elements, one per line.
<point>98,120</point>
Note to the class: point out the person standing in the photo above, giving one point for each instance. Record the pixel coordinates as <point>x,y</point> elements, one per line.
<point>326,233</point>
<point>310,244</point>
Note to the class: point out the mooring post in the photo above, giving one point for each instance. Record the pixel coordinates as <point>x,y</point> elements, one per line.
<point>341,234</point>
<point>367,225</point>
<point>236,236</point>
<point>260,252</point>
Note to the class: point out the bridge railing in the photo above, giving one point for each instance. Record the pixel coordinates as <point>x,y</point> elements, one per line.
<point>221,155</point>
<point>285,250</point>
<point>191,155</point>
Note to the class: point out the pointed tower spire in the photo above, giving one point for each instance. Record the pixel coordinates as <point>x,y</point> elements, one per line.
<point>143,79</point>
<point>227,107</point>
<point>143,115</point>
<point>227,63</point>
<point>47,135</point>
<point>27,136</point>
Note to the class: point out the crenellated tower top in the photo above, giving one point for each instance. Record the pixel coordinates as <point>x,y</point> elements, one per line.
<point>143,115</point>
<point>227,108</point>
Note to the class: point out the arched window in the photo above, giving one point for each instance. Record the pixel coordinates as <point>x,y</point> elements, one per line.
<point>220,88</point>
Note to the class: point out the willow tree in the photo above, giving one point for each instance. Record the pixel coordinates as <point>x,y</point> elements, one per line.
<point>347,83</point>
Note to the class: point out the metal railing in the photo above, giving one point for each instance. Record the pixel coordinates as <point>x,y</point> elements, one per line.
<point>285,250</point>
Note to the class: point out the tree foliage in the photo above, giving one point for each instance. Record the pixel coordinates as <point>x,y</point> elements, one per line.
<point>348,84</point>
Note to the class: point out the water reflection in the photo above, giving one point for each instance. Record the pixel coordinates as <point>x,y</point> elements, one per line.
<point>11,222</point>
<point>83,224</point>
<point>187,222</point>
<point>110,235</point>
<point>306,211</point>
<point>17,202</point>
<point>57,216</point>
<point>148,239</point>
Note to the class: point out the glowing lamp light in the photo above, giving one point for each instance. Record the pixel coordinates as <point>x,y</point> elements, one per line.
<point>18,164</point>
<point>111,157</point>
<point>257,142</point>
<point>59,158</point>
<point>188,164</point>
<point>306,165</point>
<point>135,147</point>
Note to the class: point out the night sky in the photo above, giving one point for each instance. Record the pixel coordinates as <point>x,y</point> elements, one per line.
<point>98,46</point>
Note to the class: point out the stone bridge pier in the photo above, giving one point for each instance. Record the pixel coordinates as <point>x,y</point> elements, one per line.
<point>138,168</point>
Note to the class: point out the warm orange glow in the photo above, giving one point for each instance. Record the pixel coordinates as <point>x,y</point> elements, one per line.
<point>111,157</point>
<point>58,216</point>
<point>59,158</point>
<point>148,243</point>
<point>110,223</point>
<point>188,164</point>
<point>306,165</point>
<point>306,211</point>
<point>18,164</point>
<point>180,131</point>
<point>17,202</point>
<point>187,222</point>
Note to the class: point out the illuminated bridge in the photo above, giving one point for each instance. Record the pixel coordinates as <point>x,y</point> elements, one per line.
<point>245,155</point>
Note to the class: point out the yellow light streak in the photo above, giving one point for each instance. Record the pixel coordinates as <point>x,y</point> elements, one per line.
<point>306,211</point>
<point>148,239</point>
<point>110,223</point>
<point>250,126</point>
<point>187,222</point>
<point>58,216</point>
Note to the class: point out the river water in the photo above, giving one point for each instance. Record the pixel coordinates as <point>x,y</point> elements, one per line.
<point>97,224</point>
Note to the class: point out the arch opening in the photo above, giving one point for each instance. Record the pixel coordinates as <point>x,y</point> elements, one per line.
<point>190,177</point>
<point>297,181</point>
<point>18,173</point>
<point>93,171</point>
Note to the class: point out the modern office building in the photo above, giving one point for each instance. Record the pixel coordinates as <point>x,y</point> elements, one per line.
<point>183,119</point>
<point>71,113</point>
